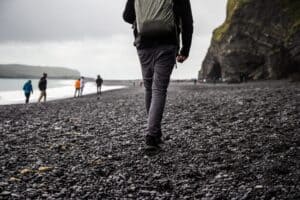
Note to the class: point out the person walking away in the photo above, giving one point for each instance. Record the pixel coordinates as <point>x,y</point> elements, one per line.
<point>99,82</point>
<point>77,88</point>
<point>157,28</point>
<point>27,88</point>
<point>82,83</point>
<point>43,87</point>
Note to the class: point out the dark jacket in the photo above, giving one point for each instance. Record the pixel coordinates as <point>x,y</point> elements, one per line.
<point>43,84</point>
<point>183,14</point>
<point>99,81</point>
<point>27,87</point>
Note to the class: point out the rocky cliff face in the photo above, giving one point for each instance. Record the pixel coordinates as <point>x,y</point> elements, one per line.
<point>258,40</point>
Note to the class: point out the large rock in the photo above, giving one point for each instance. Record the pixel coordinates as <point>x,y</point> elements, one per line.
<point>258,40</point>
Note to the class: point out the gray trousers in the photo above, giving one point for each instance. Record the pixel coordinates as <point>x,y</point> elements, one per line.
<point>157,65</point>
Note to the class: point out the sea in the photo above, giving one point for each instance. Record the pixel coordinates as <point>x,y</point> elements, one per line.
<point>11,90</point>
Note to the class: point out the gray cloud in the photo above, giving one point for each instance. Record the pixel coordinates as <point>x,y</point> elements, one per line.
<point>48,20</point>
<point>90,35</point>
<point>39,20</point>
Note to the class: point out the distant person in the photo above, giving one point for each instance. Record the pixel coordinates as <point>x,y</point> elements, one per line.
<point>43,87</point>
<point>195,81</point>
<point>99,82</point>
<point>77,88</point>
<point>27,88</point>
<point>82,84</point>
<point>157,27</point>
<point>243,77</point>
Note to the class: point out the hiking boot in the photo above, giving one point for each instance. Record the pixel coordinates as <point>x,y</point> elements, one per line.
<point>152,142</point>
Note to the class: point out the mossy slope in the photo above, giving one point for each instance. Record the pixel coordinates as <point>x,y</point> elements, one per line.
<point>259,38</point>
<point>292,7</point>
<point>232,6</point>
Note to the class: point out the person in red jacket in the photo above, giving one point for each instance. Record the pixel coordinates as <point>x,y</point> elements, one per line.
<point>77,88</point>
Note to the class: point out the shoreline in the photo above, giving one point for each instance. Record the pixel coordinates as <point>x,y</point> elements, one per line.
<point>122,84</point>
<point>51,94</point>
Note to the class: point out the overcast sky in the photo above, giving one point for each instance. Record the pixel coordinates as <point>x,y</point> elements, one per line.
<point>90,36</point>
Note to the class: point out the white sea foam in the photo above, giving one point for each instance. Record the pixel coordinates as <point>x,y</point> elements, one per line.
<point>65,91</point>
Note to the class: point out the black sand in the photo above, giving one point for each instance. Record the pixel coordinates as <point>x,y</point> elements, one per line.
<point>222,142</point>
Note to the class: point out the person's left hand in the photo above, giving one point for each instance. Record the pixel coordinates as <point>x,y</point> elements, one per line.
<point>181,58</point>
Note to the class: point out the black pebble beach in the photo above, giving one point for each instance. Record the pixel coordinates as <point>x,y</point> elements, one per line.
<point>222,141</point>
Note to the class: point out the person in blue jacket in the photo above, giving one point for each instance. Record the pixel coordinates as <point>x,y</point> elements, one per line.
<point>27,90</point>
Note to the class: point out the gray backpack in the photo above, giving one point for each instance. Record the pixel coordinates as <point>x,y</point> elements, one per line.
<point>154,17</point>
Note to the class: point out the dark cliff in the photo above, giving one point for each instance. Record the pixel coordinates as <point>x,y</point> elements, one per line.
<point>258,40</point>
<point>26,71</point>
